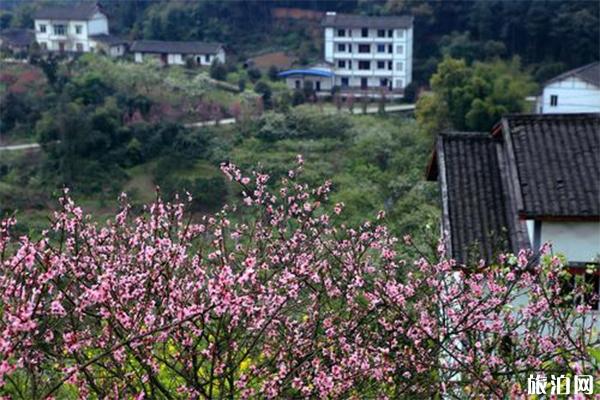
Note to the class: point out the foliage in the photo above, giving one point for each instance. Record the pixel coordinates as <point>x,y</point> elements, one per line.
<point>218,70</point>
<point>288,303</point>
<point>264,90</point>
<point>473,97</point>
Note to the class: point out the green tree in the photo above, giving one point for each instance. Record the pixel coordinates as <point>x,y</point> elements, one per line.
<point>218,70</point>
<point>473,97</point>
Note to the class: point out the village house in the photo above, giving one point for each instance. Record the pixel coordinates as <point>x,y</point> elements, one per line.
<point>78,28</point>
<point>319,77</point>
<point>178,53</point>
<point>17,41</point>
<point>532,180</point>
<point>575,91</point>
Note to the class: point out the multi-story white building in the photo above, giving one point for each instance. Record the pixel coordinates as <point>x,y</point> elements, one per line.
<point>73,28</point>
<point>575,91</point>
<point>369,52</point>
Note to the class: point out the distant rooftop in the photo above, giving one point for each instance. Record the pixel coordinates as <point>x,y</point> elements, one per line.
<point>588,73</point>
<point>108,39</point>
<point>336,20</point>
<point>80,11</point>
<point>18,37</point>
<point>160,46</point>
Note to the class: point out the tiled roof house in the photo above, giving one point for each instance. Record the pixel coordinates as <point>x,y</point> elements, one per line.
<point>533,179</point>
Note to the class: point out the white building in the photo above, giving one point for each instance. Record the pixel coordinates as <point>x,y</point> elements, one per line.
<point>177,53</point>
<point>369,52</point>
<point>575,91</point>
<point>69,28</point>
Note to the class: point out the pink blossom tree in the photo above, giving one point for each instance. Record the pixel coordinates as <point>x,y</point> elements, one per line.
<point>273,299</point>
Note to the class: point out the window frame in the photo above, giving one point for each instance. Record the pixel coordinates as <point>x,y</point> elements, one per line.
<point>553,100</point>
<point>364,32</point>
<point>361,63</point>
<point>58,28</point>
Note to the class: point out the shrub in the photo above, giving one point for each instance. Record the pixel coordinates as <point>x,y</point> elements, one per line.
<point>218,71</point>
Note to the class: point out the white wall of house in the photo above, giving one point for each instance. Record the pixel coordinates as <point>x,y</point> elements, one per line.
<point>175,59</point>
<point>71,35</point>
<point>578,241</point>
<point>314,82</point>
<point>180,59</point>
<point>97,24</point>
<point>570,95</point>
<point>377,64</point>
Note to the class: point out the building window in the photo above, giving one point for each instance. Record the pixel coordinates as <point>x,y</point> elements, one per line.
<point>381,33</point>
<point>390,48</point>
<point>390,65</point>
<point>341,32</point>
<point>554,100</point>
<point>364,48</point>
<point>381,48</point>
<point>390,33</point>
<point>341,64</point>
<point>399,83</point>
<point>207,58</point>
<point>364,32</point>
<point>399,66</point>
<point>78,29</point>
<point>399,49</point>
<point>349,64</point>
<point>341,47</point>
<point>380,64</point>
<point>59,29</point>
<point>344,82</point>
<point>400,33</point>
<point>79,47</point>
<point>43,28</point>
<point>297,84</point>
<point>364,65</point>
<point>383,82</point>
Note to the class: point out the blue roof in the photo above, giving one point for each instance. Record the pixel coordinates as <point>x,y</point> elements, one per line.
<point>310,72</point>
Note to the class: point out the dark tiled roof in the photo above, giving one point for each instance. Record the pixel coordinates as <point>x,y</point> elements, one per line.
<point>474,204</point>
<point>360,21</point>
<point>108,39</point>
<point>18,37</point>
<point>159,46</point>
<point>588,73</point>
<point>557,159</point>
<point>80,11</point>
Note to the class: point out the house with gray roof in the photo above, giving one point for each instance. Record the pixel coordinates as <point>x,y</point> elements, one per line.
<point>574,91</point>
<point>16,40</point>
<point>68,28</point>
<point>535,178</point>
<point>178,53</point>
